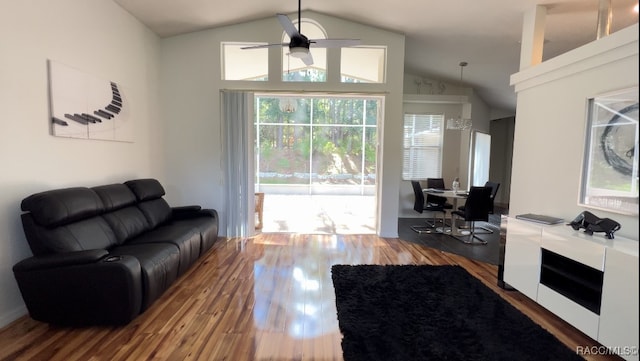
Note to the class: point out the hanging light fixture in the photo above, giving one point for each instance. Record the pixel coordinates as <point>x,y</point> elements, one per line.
<point>287,105</point>
<point>463,121</point>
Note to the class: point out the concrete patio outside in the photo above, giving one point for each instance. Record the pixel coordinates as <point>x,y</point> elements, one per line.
<point>319,214</point>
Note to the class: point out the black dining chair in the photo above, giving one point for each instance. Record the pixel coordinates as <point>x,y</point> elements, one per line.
<point>437,183</point>
<point>420,206</point>
<point>476,209</point>
<point>494,190</point>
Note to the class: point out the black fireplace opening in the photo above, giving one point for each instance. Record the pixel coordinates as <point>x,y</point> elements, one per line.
<point>576,281</point>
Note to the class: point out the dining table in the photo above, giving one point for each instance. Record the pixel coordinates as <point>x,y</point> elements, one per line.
<point>455,196</point>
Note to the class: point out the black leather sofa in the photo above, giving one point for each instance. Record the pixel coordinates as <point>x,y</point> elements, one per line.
<point>103,255</point>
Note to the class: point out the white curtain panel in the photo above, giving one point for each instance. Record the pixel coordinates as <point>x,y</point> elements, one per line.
<point>237,135</point>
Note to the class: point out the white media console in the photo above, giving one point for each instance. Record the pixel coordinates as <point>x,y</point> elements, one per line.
<point>587,280</point>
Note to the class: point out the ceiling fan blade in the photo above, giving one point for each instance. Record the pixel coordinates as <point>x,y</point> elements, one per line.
<point>334,43</point>
<point>264,46</point>
<point>288,26</point>
<point>307,59</point>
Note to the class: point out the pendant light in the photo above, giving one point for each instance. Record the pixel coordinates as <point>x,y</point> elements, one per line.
<point>287,104</point>
<point>463,121</point>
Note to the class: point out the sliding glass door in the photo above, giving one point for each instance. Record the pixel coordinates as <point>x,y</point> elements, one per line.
<point>316,144</point>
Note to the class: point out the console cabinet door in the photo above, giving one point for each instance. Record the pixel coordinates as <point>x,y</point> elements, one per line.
<point>522,257</point>
<point>619,310</point>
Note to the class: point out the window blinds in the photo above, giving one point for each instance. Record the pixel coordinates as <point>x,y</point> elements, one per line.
<point>422,143</point>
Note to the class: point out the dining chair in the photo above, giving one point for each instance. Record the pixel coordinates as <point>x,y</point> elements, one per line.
<point>437,183</point>
<point>494,190</point>
<point>476,209</point>
<point>420,206</point>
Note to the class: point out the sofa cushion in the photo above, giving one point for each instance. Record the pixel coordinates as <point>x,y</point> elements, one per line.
<point>61,206</point>
<point>115,196</point>
<point>159,264</point>
<point>87,234</point>
<point>157,211</point>
<point>185,238</point>
<point>146,189</point>
<point>207,228</point>
<point>127,223</point>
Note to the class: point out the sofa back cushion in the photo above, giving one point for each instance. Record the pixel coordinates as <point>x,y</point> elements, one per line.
<point>127,223</point>
<point>65,220</point>
<point>146,189</point>
<point>121,211</point>
<point>156,211</point>
<point>149,194</point>
<point>62,206</point>
<point>115,196</point>
<point>86,234</point>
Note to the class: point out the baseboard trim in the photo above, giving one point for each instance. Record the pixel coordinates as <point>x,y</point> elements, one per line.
<point>13,315</point>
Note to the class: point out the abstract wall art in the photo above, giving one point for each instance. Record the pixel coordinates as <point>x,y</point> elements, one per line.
<point>611,158</point>
<point>88,107</point>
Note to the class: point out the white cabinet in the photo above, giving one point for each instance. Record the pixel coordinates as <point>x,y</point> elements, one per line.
<point>522,257</point>
<point>619,312</point>
<point>578,316</point>
<point>565,241</point>
<point>589,281</point>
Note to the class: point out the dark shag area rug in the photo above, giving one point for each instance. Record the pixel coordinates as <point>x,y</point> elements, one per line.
<point>427,312</point>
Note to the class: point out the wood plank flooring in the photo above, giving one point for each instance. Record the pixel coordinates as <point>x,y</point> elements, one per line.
<point>266,298</point>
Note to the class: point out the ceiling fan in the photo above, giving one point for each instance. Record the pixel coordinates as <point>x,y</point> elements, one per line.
<point>299,44</point>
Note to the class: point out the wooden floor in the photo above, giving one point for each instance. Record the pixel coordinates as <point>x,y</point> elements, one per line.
<point>266,298</point>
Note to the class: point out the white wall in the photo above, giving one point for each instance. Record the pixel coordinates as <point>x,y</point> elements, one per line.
<point>190,98</point>
<point>99,38</point>
<point>551,121</point>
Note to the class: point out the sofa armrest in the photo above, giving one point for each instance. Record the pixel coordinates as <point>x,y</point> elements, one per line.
<point>209,213</point>
<point>187,209</point>
<point>192,212</point>
<point>81,288</point>
<point>61,260</point>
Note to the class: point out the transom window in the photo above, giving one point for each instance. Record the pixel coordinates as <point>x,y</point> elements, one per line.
<point>359,64</point>
<point>363,64</point>
<point>243,64</point>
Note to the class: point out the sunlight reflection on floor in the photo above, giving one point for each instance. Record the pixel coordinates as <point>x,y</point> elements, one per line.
<point>319,214</point>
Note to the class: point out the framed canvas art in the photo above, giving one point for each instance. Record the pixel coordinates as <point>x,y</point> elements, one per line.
<point>610,165</point>
<point>86,106</point>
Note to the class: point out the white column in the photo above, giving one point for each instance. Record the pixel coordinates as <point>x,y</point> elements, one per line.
<point>605,14</point>
<point>533,37</point>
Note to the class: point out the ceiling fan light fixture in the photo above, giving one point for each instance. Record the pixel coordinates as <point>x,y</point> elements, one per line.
<point>298,51</point>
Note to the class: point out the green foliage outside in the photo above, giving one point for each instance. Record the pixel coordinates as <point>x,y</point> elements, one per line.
<point>305,75</point>
<point>323,136</point>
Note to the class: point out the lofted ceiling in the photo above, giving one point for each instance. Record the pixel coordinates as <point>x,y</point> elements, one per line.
<point>439,34</point>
